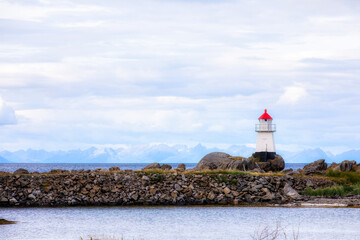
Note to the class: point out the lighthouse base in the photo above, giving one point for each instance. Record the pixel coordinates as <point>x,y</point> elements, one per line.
<point>264,156</point>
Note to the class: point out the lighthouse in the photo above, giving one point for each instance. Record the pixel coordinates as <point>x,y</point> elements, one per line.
<point>265,145</point>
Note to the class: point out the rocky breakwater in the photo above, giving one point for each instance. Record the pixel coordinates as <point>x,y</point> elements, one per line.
<point>153,187</point>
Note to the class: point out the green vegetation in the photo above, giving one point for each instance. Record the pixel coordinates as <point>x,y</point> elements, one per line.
<point>152,171</point>
<point>334,191</point>
<point>232,172</point>
<point>348,183</point>
<point>344,178</point>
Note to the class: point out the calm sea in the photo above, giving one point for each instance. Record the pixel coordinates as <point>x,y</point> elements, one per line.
<point>178,223</point>
<point>46,167</point>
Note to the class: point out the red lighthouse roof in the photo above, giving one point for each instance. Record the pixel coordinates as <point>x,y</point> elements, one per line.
<point>265,116</point>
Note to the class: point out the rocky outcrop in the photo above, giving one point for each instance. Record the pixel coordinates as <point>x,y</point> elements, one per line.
<point>277,164</point>
<point>212,161</point>
<point>114,169</point>
<point>21,171</point>
<point>224,161</point>
<point>147,188</point>
<point>166,167</point>
<point>317,167</point>
<point>181,167</point>
<point>152,166</point>
<point>155,165</point>
<point>345,166</point>
<point>274,165</point>
<point>236,163</point>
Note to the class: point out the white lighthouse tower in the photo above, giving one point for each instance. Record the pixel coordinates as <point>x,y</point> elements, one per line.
<point>265,145</point>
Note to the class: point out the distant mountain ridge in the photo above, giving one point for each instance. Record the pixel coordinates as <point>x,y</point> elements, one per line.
<point>159,153</point>
<point>3,160</point>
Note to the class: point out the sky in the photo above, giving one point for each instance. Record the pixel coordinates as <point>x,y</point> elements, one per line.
<point>75,74</point>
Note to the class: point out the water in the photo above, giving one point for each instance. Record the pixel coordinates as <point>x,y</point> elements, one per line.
<point>46,167</point>
<point>172,223</point>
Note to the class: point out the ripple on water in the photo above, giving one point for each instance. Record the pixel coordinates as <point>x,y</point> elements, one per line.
<point>177,222</point>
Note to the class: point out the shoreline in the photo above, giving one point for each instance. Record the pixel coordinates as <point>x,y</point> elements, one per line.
<point>164,188</point>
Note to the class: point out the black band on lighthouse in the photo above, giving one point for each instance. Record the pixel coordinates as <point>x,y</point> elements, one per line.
<point>264,156</point>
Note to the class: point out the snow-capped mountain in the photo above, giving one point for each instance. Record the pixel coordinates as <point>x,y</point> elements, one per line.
<point>159,153</point>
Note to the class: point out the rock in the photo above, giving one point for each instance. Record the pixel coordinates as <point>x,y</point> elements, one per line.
<point>265,166</point>
<point>13,201</point>
<point>290,192</point>
<point>181,167</point>
<point>317,167</point>
<point>333,164</point>
<point>152,166</point>
<point>166,167</point>
<point>289,171</point>
<point>32,197</point>
<point>211,195</point>
<point>100,170</point>
<point>357,167</point>
<point>211,161</point>
<point>177,187</point>
<point>274,165</point>
<point>21,171</point>
<point>277,164</point>
<point>236,163</point>
<point>268,195</point>
<point>59,171</point>
<point>145,178</point>
<point>345,166</point>
<point>114,169</point>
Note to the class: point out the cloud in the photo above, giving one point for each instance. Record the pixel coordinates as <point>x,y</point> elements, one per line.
<point>137,72</point>
<point>7,114</point>
<point>292,95</point>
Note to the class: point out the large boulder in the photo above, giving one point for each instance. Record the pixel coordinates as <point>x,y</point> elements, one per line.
<point>345,166</point>
<point>317,167</point>
<point>181,167</point>
<point>152,166</point>
<point>290,192</point>
<point>21,171</point>
<point>277,164</point>
<point>274,165</point>
<point>236,163</point>
<point>166,167</point>
<point>212,161</point>
<point>114,169</point>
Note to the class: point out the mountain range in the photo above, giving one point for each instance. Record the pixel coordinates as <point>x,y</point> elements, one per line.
<point>159,153</point>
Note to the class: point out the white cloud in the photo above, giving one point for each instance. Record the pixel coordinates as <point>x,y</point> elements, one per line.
<point>292,95</point>
<point>136,72</point>
<point>7,114</point>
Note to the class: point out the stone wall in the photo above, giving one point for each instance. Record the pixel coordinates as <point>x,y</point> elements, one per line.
<point>143,188</point>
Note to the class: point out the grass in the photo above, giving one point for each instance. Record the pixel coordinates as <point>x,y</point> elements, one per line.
<point>231,172</point>
<point>348,183</point>
<point>344,178</point>
<point>334,191</point>
<point>153,171</point>
<point>5,222</point>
